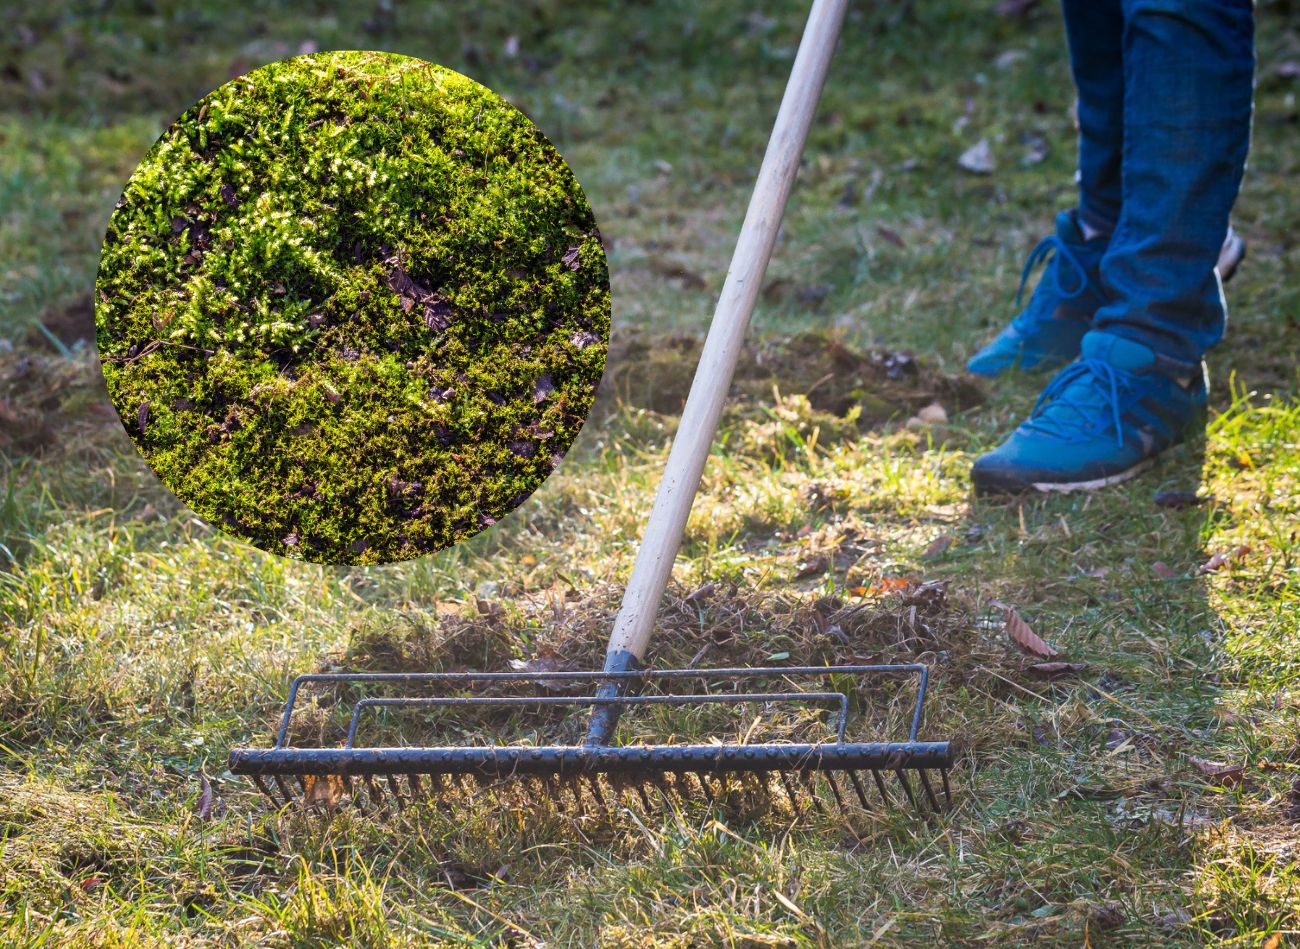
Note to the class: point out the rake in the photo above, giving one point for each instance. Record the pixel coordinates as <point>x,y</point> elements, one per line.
<point>812,763</point>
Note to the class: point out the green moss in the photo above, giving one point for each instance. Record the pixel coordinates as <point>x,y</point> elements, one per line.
<point>353,307</point>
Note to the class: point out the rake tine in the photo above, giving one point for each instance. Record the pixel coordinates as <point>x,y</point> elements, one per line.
<point>553,788</point>
<point>284,789</point>
<point>417,790</point>
<point>542,788</point>
<point>858,789</point>
<point>929,791</point>
<point>835,789</point>
<point>375,795</point>
<point>639,788</point>
<point>302,784</point>
<point>645,798</point>
<point>947,791</point>
<point>789,793</point>
<point>704,786</point>
<point>265,789</point>
<point>680,787</point>
<point>397,793</point>
<point>571,785</point>
<point>593,782</point>
<point>810,782</point>
<point>907,787</point>
<point>438,786</point>
<point>660,781</point>
<point>880,786</point>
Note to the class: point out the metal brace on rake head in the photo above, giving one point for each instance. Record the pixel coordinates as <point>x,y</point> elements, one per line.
<point>834,769</point>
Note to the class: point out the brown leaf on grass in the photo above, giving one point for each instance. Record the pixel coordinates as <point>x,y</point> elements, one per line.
<point>1056,670</point>
<point>1163,570</point>
<point>546,660</point>
<point>978,159</point>
<point>1106,916</point>
<point>701,593</point>
<point>1179,499</point>
<point>437,314</point>
<point>1221,559</point>
<point>1224,775</point>
<point>1272,942</point>
<point>1023,635</point>
<point>572,258</point>
<point>203,807</point>
<point>884,586</point>
<point>937,547</point>
<point>325,789</point>
<point>813,566</point>
<point>891,235</point>
<point>142,417</point>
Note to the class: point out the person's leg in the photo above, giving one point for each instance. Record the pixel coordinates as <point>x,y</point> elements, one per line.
<point>1189,76</point>
<point>1095,30</point>
<point>1046,333</point>
<point>1139,384</point>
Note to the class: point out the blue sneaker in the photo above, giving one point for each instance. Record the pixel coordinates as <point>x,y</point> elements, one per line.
<point>1099,422</point>
<point>1047,333</point>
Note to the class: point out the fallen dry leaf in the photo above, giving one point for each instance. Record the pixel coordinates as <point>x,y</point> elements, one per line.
<point>813,566</point>
<point>884,586</point>
<point>1221,559</point>
<point>1225,775</point>
<point>203,807</point>
<point>1163,570</point>
<point>891,235</point>
<point>701,593</point>
<point>978,159</point>
<point>932,414</point>
<point>1179,499</point>
<point>326,789</point>
<point>1023,634</point>
<point>1056,670</point>
<point>937,546</point>
<point>1014,8</point>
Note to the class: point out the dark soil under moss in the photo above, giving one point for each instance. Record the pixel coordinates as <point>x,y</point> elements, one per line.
<point>353,307</point>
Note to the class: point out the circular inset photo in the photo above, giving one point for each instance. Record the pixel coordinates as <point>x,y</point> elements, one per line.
<point>353,307</point>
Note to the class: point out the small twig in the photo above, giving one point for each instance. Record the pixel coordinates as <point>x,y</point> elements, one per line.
<point>153,346</point>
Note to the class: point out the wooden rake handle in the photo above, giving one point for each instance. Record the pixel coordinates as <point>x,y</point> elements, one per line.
<point>699,422</point>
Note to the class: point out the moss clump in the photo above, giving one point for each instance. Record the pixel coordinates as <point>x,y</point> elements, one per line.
<point>353,307</point>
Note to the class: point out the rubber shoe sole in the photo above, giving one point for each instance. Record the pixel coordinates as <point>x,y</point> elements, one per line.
<point>989,483</point>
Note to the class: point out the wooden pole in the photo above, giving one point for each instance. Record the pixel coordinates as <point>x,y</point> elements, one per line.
<point>694,439</point>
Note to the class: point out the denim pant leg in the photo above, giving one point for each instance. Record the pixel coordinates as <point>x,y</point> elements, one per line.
<point>1188,88</point>
<point>1095,29</point>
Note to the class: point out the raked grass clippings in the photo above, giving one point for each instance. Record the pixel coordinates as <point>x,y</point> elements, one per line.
<point>352,307</point>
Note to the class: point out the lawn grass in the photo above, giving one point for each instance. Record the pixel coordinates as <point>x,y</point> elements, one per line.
<point>138,644</point>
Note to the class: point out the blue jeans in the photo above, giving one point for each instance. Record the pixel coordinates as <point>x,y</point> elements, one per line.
<point>1165,98</point>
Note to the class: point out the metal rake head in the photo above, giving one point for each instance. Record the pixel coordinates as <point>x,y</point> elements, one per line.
<point>793,773</point>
